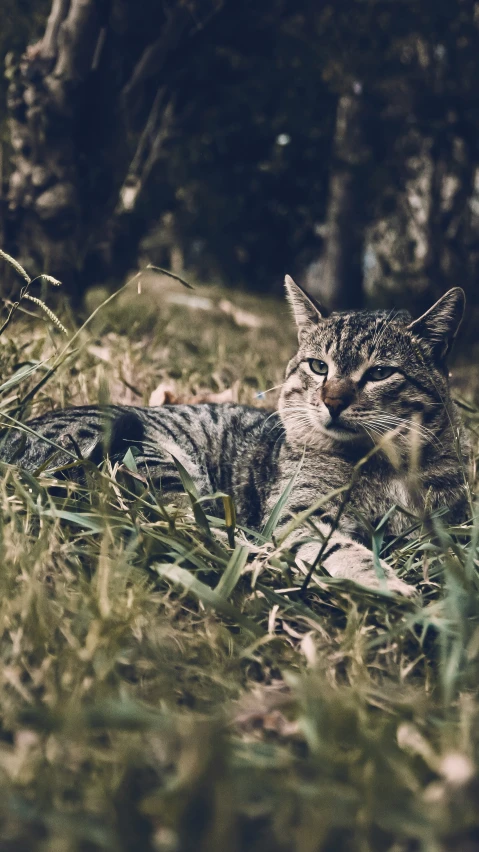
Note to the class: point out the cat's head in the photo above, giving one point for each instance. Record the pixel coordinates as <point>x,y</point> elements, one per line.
<point>360,375</point>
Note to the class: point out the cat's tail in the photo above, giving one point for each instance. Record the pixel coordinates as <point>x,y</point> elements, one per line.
<point>60,439</point>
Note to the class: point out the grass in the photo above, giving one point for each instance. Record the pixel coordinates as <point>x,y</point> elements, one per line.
<point>164,686</point>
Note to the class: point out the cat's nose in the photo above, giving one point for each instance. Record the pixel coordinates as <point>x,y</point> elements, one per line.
<point>337,394</point>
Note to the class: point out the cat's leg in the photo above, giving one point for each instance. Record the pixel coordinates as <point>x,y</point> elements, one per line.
<point>344,556</point>
<point>350,560</point>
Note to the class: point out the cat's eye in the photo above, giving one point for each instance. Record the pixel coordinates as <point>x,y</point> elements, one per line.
<point>318,367</point>
<point>377,374</point>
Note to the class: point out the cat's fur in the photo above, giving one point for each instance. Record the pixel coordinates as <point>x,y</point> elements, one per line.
<point>324,427</point>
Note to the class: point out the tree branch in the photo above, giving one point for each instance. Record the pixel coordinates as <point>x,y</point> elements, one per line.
<point>56,17</point>
<point>77,40</point>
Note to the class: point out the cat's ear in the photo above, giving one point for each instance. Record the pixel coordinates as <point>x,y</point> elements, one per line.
<point>306,311</point>
<point>439,325</point>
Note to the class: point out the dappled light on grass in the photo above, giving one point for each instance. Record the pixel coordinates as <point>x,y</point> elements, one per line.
<point>168,680</point>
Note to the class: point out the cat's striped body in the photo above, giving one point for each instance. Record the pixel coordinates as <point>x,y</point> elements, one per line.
<point>356,379</point>
<point>229,448</point>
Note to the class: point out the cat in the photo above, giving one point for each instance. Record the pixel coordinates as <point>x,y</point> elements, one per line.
<point>365,397</point>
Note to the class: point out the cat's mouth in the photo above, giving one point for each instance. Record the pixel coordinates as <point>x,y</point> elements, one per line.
<point>336,427</point>
<point>339,424</point>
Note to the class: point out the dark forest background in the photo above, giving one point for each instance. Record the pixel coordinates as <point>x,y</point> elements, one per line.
<point>338,142</point>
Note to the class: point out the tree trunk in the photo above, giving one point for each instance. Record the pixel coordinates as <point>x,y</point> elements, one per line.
<point>338,277</point>
<point>76,101</point>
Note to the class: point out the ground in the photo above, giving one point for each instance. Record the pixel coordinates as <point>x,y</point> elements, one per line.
<point>165,686</point>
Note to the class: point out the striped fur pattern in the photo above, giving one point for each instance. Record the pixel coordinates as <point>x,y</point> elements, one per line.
<point>365,398</point>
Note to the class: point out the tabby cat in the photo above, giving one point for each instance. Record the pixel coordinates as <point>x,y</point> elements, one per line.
<point>363,385</point>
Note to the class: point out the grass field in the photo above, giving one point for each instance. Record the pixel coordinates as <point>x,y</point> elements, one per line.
<point>164,686</point>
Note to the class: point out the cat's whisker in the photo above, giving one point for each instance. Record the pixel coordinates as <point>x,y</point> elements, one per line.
<point>273,414</point>
<point>411,424</point>
<point>374,428</point>
<point>300,422</point>
<point>298,419</point>
<point>369,433</point>
<point>393,423</point>
<point>302,409</point>
<point>260,394</point>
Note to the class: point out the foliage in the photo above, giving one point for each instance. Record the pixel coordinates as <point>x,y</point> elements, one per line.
<point>247,170</point>
<point>22,22</point>
<point>167,687</point>
<point>224,139</point>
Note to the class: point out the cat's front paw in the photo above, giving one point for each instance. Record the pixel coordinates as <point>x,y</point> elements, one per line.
<point>350,560</point>
<point>395,584</point>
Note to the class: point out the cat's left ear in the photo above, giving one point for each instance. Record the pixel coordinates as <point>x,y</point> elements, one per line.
<point>307,312</point>
<point>439,325</point>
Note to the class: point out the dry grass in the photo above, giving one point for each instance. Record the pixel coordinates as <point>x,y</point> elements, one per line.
<point>161,690</point>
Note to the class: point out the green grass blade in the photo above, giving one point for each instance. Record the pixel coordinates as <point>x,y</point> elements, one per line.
<point>20,375</point>
<point>275,515</point>
<point>205,594</point>
<point>129,461</point>
<point>233,571</point>
<point>186,478</point>
<point>81,519</point>
<point>192,491</point>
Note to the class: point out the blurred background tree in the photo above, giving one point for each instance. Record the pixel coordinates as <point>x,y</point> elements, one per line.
<point>336,141</point>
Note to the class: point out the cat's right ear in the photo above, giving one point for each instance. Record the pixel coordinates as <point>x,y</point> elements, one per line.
<point>438,327</point>
<point>306,311</point>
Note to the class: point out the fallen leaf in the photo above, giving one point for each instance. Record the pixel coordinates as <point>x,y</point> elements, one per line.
<point>262,710</point>
<point>279,724</point>
<point>202,303</point>
<point>309,649</point>
<point>261,703</point>
<point>101,352</point>
<point>164,394</point>
<point>228,395</point>
<point>239,316</point>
